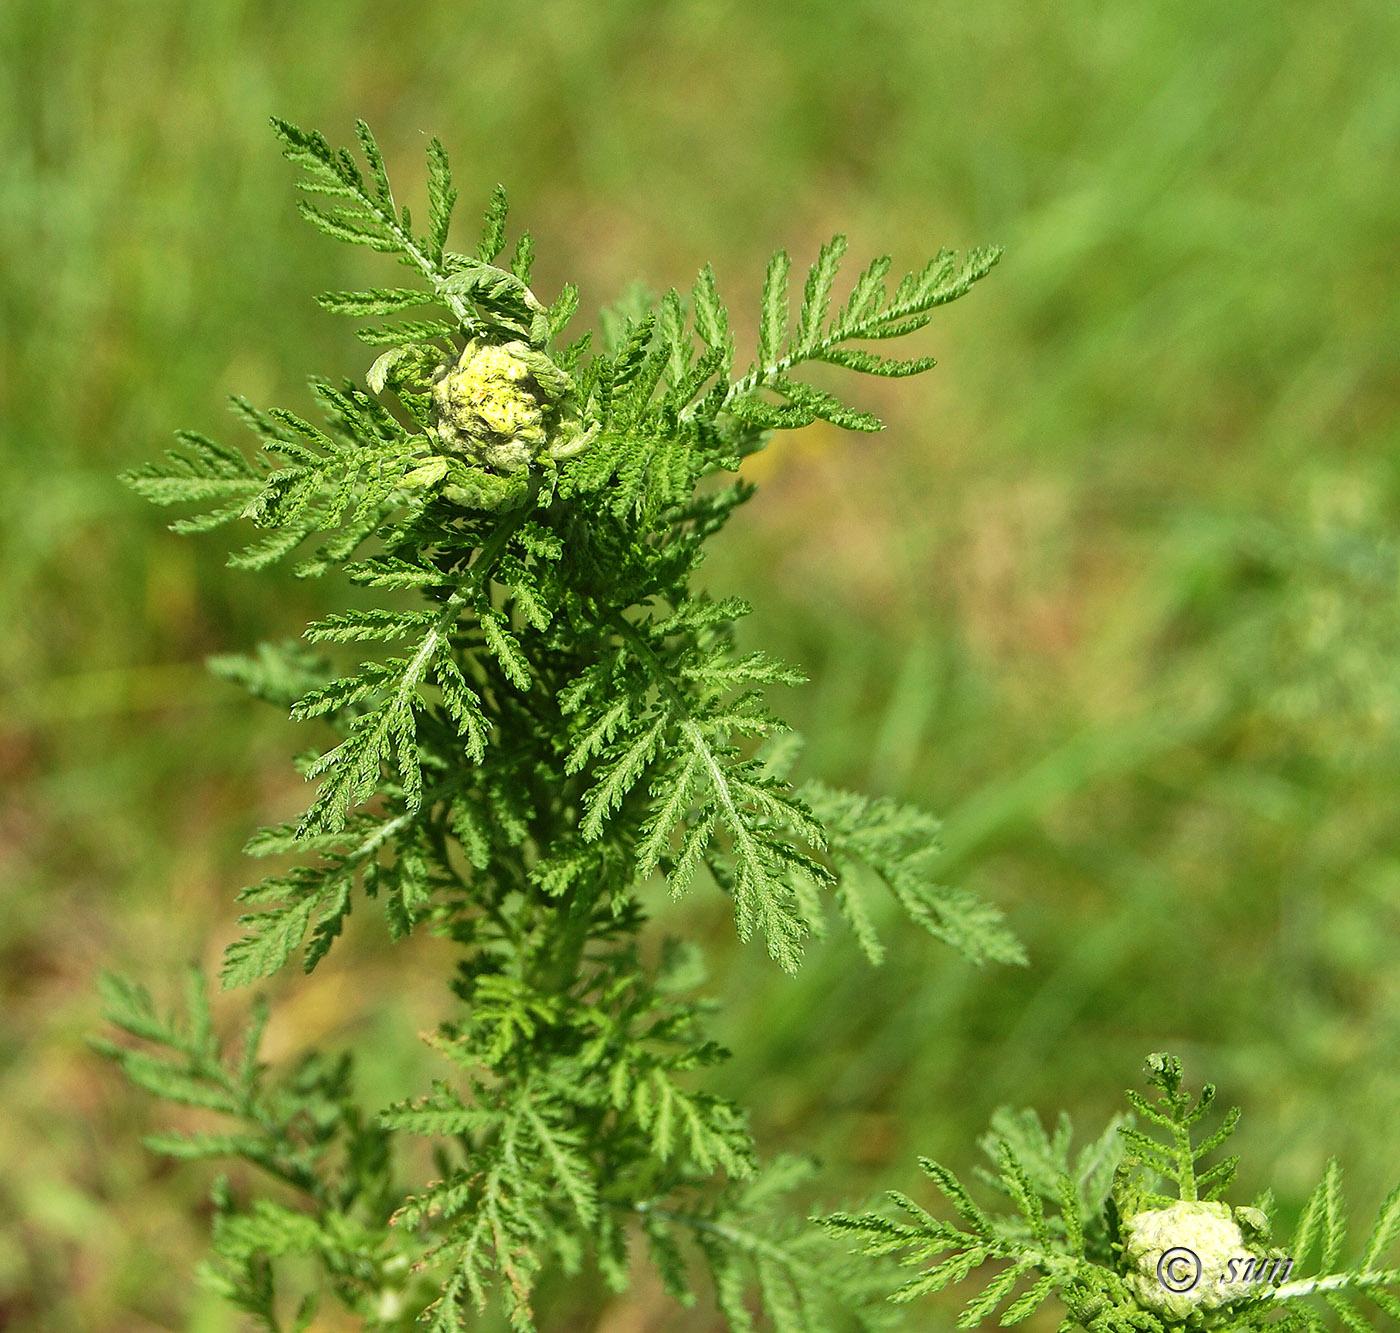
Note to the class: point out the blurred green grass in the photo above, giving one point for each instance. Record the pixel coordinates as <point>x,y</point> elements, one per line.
<point>1115,593</point>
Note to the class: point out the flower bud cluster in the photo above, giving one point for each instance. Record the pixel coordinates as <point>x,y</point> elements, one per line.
<point>491,405</point>
<point>1177,1259</point>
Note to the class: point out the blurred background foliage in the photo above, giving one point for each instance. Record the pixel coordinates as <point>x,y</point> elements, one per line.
<point>1115,593</point>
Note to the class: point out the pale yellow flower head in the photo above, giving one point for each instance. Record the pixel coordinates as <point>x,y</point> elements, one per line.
<point>491,410</point>
<point>1178,1258</point>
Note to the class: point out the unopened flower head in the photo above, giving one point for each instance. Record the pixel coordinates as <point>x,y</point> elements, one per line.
<point>491,407</point>
<point>1177,1257</point>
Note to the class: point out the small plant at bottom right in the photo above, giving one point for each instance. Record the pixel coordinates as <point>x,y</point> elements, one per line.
<point>1131,1237</point>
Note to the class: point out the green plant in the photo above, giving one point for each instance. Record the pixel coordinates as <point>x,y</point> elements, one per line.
<point>1121,1253</point>
<point>562,718</point>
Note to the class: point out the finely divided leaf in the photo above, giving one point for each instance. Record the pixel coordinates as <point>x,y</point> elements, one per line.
<point>816,295</point>
<point>442,195</point>
<point>773,322</point>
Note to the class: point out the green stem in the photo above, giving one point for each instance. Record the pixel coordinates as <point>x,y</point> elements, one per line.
<point>1336,1282</point>
<point>1186,1172</point>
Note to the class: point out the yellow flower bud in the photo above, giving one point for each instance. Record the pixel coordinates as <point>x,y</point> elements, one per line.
<point>1178,1259</point>
<point>490,407</point>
